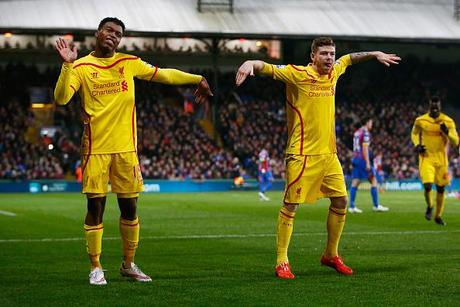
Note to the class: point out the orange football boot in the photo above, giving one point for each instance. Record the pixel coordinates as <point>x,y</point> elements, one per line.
<point>283,271</point>
<point>336,263</point>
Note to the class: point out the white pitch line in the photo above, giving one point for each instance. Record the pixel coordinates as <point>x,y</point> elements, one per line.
<point>7,213</point>
<point>235,236</point>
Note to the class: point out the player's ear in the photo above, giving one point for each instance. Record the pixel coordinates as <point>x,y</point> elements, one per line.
<point>312,56</point>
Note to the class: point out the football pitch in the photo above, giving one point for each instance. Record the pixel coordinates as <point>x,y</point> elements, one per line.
<point>207,249</point>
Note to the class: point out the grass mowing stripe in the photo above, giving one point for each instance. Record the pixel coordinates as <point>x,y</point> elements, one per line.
<point>232,236</point>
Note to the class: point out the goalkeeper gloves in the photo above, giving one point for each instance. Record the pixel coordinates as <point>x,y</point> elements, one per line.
<point>420,149</point>
<point>444,129</point>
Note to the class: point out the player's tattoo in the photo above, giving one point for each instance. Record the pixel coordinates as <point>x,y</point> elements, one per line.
<point>357,57</point>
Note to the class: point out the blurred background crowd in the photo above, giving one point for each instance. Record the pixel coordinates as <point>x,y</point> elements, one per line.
<point>180,140</point>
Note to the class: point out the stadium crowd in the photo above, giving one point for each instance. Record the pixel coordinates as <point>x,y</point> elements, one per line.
<point>172,144</point>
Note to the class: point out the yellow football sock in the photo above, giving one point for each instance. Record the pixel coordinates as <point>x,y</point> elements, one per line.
<point>93,236</point>
<point>283,237</point>
<point>129,231</point>
<point>335,223</point>
<point>439,204</point>
<point>428,198</point>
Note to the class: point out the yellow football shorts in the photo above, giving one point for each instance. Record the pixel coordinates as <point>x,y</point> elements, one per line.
<point>309,178</point>
<point>121,169</point>
<point>432,170</point>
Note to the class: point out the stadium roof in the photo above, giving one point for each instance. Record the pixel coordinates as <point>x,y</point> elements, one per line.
<point>401,19</point>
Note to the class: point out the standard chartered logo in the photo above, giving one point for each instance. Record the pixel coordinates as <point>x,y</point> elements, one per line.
<point>101,89</point>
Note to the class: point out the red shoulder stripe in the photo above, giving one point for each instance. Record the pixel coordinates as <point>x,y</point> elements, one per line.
<point>106,67</point>
<point>154,74</point>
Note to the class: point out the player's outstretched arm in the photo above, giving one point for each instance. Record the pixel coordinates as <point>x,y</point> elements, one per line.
<point>178,77</point>
<point>247,69</point>
<point>386,59</point>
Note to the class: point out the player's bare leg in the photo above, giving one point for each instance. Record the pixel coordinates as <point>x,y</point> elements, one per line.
<point>283,237</point>
<point>335,224</point>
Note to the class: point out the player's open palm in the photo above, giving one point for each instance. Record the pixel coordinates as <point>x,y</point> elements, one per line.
<point>67,52</point>
<point>388,58</point>
<point>245,70</point>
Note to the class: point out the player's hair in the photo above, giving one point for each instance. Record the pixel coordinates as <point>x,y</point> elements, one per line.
<point>111,19</point>
<point>435,99</point>
<point>365,120</point>
<point>320,42</point>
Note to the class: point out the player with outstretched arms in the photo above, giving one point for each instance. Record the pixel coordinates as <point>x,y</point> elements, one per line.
<point>313,169</point>
<point>104,80</point>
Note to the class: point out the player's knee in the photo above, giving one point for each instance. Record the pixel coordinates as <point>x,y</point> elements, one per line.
<point>440,189</point>
<point>339,202</point>
<point>128,208</point>
<point>95,209</point>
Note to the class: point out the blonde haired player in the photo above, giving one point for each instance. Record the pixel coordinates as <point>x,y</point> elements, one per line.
<point>313,169</point>
<point>431,135</point>
<point>104,79</point>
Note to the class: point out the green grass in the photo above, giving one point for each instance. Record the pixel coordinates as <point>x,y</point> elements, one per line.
<point>398,257</point>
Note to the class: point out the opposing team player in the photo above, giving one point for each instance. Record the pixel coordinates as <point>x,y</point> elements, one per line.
<point>363,167</point>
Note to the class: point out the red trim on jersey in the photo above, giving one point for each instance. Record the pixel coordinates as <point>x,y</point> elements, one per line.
<point>133,126</point>
<point>89,140</point>
<point>154,73</point>
<point>295,180</point>
<point>301,125</point>
<point>106,67</point>
<point>334,138</point>
<point>298,69</point>
<point>310,75</point>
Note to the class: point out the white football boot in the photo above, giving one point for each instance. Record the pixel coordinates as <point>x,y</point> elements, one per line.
<point>96,277</point>
<point>134,273</point>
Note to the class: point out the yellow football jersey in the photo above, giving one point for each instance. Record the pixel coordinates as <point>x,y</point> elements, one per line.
<point>427,131</point>
<point>106,89</point>
<point>310,106</point>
